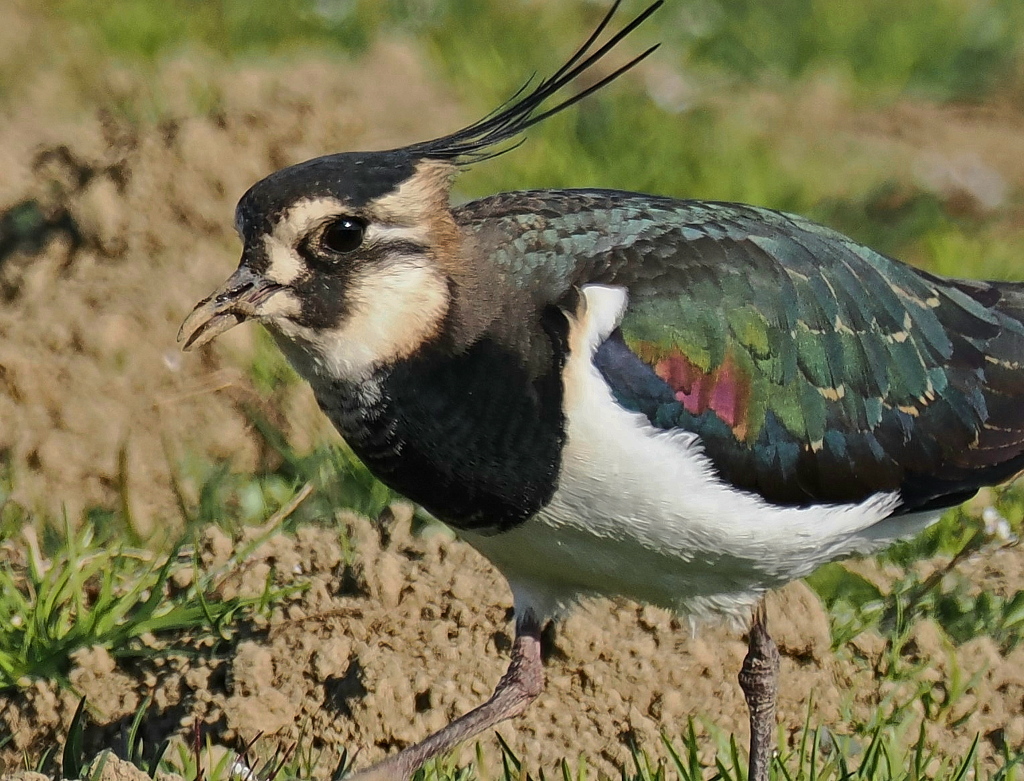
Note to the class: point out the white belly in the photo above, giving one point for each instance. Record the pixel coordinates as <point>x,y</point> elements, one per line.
<point>640,512</point>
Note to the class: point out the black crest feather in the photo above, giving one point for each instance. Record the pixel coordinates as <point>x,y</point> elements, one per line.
<point>482,139</point>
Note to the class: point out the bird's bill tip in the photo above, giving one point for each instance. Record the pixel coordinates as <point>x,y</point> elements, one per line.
<point>205,324</point>
<point>234,302</point>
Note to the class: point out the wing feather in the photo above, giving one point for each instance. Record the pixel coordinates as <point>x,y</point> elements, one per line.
<point>812,368</point>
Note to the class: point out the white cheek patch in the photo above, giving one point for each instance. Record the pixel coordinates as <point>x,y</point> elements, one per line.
<point>393,310</point>
<point>283,304</point>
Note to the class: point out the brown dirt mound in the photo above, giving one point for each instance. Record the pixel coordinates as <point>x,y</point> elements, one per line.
<point>375,656</point>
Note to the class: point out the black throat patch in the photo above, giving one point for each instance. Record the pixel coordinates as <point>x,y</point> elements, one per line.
<point>473,438</point>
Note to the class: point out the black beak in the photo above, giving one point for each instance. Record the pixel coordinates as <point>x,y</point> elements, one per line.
<point>240,298</point>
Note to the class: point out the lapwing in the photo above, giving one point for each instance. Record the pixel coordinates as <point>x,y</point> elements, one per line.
<point>685,403</point>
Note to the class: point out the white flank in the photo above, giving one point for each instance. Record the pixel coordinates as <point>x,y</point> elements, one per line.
<point>640,512</point>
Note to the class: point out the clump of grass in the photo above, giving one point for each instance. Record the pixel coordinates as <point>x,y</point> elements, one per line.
<point>215,492</point>
<point>943,595</point>
<point>90,593</point>
<point>814,754</point>
<point>13,515</point>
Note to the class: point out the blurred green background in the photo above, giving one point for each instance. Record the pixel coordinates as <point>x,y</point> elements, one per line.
<point>689,123</point>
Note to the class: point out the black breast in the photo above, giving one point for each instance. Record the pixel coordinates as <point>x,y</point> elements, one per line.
<point>475,438</point>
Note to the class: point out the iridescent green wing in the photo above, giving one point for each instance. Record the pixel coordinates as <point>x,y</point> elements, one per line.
<point>813,369</point>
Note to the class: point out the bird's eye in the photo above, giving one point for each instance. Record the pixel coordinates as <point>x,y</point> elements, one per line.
<point>343,235</point>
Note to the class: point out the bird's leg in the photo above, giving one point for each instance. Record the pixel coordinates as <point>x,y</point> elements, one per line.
<point>759,679</point>
<point>518,687</point>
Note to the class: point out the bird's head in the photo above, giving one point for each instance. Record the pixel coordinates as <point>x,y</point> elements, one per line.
<point>350,259</point>
<point>344,259</point>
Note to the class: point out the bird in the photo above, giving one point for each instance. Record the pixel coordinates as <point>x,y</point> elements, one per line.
<point>685,403</point>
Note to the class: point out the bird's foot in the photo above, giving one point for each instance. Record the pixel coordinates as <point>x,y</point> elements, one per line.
<point>759,680</point>
<point>518,687</point>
